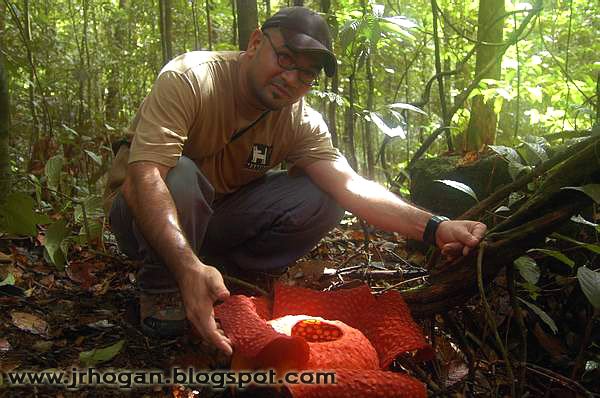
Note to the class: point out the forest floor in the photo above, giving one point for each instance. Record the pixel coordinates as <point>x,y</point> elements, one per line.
<point>54,320</point>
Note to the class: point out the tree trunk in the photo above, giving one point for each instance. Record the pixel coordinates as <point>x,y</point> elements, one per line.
<point>86,115</point>
<point>165,24</point>
<point>113,100</point>
<point>247,16</point>
<point>234,29</point>
<point>4,124</point>
<point>482,123</point>
<point>196,25</point>
<point>30,85</point>
<point>332,112</point>
<point>208,25</point>
<point>368,135</point>
<point>349,124</point>
<point>335,80</point>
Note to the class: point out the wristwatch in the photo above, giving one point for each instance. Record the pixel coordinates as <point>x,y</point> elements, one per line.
<point>432,227</point>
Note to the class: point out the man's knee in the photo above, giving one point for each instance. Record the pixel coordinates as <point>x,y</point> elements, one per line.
<point>318,206</point>
<point>186,183</point>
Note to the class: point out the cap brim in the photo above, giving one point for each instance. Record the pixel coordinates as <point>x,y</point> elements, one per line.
<point>300,42</point>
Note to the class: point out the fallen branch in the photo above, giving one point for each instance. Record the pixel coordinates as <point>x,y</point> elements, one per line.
<point>453,283</point>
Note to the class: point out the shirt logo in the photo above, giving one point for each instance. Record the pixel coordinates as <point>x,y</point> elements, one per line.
<point>260,157</point>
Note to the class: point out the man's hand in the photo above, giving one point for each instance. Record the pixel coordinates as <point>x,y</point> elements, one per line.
<point>200,288</point>
<point>454,237</point>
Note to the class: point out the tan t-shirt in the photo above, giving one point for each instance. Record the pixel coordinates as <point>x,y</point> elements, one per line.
<point>191,111</point>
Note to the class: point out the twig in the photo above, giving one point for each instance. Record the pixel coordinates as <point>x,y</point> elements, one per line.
<point>245,284</point>
<point>510,277</point>
<point>356,254</point>
<point>587,336</point>
<point>424,278</point>
<point>490,317</point>
<point>423,375</point>
<point>558,378</point>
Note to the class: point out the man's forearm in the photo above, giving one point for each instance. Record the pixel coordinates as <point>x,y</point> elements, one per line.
<point>156,217</point>
<point>378,206</point>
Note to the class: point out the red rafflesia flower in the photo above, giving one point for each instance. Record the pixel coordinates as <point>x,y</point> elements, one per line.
<point>349,332</point>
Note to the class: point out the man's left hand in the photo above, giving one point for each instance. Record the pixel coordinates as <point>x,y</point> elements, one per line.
<point>454,237</point>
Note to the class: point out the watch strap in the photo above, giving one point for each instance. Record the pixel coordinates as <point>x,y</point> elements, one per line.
<point>432,227</point>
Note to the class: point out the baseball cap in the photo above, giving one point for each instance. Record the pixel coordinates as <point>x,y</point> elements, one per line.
<point>304,31</point>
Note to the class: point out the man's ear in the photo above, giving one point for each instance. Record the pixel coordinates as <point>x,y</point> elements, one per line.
<point>254,42</point>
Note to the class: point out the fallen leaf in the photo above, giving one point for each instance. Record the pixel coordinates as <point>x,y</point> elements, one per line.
<point>6,258</point>
<point>20,256</point>
<point>8,366</point>
<point>30,323</point>
<point>457,371</point>
<point>101,288</point>
<point>9,280</point>
<point>47,281</point>
<point>42,346</point>
<point>551,344</point>
<point>81,272</point>
<point>355,235</point>
<point>4,345</point>
<point>100,355</point>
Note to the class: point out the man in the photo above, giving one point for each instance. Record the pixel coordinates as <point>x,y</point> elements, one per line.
<point>196,184</point>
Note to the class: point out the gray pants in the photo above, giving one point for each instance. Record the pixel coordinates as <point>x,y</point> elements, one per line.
<point>264,226</point>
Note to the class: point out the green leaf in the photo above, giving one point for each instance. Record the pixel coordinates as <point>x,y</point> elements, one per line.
<point>514,198</point>
<point>397,131</point>
<point>507,153</point>
<point>532,290</point>
<point>52,170</point>
<point>100,355</point>
<point>348,33</point>
<point>96,158</point>
<point>515,169</point>
<point>55,235</point>
<point>95,232</point>
<point>9,280</point>
<point>590,285</point>
<point>93,209</point>
<point>542,314</point>
<point>533,153</point>
<point>401,21</point>
<point>590,246</point>
<point>557,255</point>
<point>591,190</point>
<point>580,220</point>
<point>461,187</point>
<point>18,217</point>
<point>409,107</point>
<point>528,269</point>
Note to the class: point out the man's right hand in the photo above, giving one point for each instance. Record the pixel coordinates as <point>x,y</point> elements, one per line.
<point>200,288</point>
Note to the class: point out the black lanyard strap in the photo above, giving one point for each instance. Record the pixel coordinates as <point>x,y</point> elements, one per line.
<point>241,132</point>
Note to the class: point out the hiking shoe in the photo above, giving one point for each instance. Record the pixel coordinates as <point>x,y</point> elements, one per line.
<point>162,314</point>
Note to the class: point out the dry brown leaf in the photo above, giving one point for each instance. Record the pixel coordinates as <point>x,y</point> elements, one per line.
<point>30,323</point>
<point>47,281</point>
<point>81,272</point>
<point>9,365</point>
<point>42,346</point>
<point>101,288</point>
<point>355,235</point>
<point>4,345</point>
<point>6,258</point>
<point>550,343</point>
